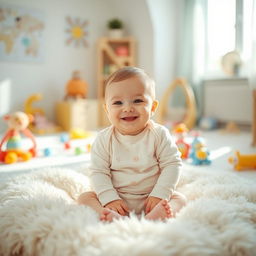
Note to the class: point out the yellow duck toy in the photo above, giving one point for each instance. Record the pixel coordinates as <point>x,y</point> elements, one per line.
<point>243,162</point>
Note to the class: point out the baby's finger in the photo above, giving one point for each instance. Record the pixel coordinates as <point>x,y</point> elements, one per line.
<point>120,210</point>
<point>125,207</point>
<point>148,207</point>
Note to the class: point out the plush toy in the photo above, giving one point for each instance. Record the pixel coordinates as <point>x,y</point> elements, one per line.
<point>76,88</point>
<point>17,123</point>
<point>243,162</point>
<point>199,153</point>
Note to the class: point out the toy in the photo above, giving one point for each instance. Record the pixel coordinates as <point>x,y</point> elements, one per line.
<point>40,124</point>
<point>199,153</point>
<point>17,122</point>
<point>47,152</point>
<point>180,131</point>
<point>122,51</point>
<point>77,133</point>
<point>243,162</point>
<point>76,88</point>
<point>190,115</point>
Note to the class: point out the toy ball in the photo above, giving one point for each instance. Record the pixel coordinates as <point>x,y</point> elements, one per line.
<point>78,151</point>
<point>47,152</point>
<point>64,137</point>
<point>67,145</point>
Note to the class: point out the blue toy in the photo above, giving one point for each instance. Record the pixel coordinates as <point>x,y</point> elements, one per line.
<point>199,153</point>
<point>47,152</point>
<point>208,123</point>
<point>64,137</point>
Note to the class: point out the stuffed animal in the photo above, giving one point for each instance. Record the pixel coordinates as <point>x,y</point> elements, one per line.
<point>76,88</point>
<point>17,123</point>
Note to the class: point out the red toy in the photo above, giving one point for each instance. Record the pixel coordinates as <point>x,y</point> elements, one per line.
<point>180,132</point>
<point>17,123</point>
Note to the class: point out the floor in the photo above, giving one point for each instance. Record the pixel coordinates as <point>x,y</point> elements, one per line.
<point>221,146</point>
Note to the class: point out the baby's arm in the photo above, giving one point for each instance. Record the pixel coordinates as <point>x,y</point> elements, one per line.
<point>170,165</point>
<point>100,173</point>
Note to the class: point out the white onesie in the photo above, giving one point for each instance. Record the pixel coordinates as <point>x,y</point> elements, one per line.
<point>134,167</point>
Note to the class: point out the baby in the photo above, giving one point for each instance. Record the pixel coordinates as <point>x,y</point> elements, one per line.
<point>135,164</point>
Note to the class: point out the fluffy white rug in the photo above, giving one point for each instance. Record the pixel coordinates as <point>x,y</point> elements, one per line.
<point>39,216</point>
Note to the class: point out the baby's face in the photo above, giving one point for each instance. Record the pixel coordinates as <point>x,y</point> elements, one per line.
<point>129,105</point>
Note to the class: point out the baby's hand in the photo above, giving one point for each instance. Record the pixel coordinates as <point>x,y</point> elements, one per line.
<point>119,206</point>
<point>150,203</point>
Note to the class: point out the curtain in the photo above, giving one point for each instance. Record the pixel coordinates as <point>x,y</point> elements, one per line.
<point>192,60</point>
<point>252,78</point>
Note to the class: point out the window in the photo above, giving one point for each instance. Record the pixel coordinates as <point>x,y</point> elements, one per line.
<point>228,28</point>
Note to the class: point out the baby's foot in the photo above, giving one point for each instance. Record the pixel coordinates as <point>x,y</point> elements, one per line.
<point>109,215</point>
<point>160,212</point>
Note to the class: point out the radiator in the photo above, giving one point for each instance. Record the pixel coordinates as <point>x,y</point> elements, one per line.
<point>228,100</point>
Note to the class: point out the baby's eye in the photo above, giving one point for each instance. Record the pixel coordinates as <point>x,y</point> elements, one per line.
<point>118,102</point>
<point>138,101</point>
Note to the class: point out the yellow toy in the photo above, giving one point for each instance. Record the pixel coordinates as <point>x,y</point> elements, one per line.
<point>77,133</point>
<point>17,123</point>
<point>40,124</point>
<point>243,162</point>
<point>190,116</point>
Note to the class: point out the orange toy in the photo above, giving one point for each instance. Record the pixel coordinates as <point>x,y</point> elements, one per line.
<point>17,122</point>
<point>76,87</point>
<point>243,162</point>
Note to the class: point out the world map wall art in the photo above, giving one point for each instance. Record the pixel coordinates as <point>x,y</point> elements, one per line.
<point>21,34</point>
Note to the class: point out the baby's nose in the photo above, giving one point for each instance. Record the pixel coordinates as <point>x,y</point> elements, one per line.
<point>128,107</point>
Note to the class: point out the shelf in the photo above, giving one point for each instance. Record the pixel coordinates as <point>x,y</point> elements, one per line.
<point>113,53</point>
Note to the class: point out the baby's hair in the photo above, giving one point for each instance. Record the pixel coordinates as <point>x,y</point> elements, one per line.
<point>129,72</point>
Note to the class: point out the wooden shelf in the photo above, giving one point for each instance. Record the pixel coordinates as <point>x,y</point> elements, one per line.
<point>113,53</point>
<point>254,119</point>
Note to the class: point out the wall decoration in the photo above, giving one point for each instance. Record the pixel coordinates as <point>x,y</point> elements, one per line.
<point>21,34</point>
<point>77,32</point>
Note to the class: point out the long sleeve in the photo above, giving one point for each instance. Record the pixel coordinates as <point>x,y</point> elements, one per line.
<point>170,166</point>
<point>100,173</point>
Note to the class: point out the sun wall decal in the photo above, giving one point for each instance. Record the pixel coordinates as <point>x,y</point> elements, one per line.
<point>77,32</point>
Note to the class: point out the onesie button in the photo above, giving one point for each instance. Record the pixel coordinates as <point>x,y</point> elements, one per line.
<point>136,158</point>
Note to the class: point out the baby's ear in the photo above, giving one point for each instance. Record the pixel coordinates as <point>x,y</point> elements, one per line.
<point>154,106</point>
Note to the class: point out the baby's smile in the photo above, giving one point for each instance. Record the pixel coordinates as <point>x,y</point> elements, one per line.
<point>129,118</point>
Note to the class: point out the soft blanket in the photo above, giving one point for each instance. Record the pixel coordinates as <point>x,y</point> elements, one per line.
<point>39,216</point>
